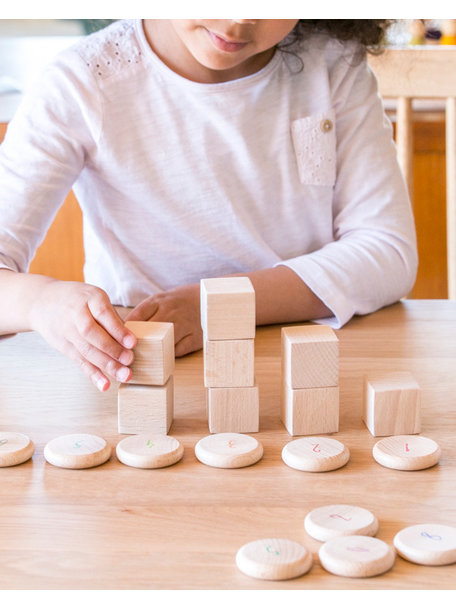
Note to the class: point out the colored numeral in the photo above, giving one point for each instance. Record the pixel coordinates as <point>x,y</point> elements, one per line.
<point>334,515</point>
<point>316,447</point>
<point>431,536</point>
<point>270,550</point>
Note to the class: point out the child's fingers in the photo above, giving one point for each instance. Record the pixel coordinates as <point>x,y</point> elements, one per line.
<point>98,347</point>
<point>105,314</point>
<point>144,311</point>
<point>89,334</point>
<point>98,378</point>
<point>99,359</point>
<point>187,344</point>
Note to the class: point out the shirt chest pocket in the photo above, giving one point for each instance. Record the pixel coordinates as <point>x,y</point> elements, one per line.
<point>314,141</point>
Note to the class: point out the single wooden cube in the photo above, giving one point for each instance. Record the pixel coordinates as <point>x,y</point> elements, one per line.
<point>229,363</point>
<point>228,308</point>
<point>310,356</point>
<point>233,410</point>
<point>392,404</point>
<point>145,409</point>
<point>310,411</point>
<point>154,352</point>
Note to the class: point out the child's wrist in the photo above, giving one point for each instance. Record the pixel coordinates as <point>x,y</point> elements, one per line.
<point>36,298</point>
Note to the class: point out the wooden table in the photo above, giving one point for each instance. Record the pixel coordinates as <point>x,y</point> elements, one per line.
<point>115,527</point>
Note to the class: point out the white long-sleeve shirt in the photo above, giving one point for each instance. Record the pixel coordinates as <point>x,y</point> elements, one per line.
<point>180,180</point>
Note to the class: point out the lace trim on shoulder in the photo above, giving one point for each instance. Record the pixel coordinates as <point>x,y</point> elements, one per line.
<point>110,51</point>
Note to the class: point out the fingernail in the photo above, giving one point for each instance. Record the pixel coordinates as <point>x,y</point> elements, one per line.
<point>126,357</point>
<point>123,374</point>
<point>129,341</point>
<point>102,384</point>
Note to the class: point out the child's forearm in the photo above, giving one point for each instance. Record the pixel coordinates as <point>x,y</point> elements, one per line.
<point>19,292</point>
<point>282,297</point>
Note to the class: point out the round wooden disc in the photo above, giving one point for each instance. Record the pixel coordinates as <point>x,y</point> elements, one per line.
<point>78,451</point>
<point>228,450</point>
<point>427,544</point>
<point>357,556</point>
<point>315,454</point>
<point>149,451</point>
<point>407,452</point>
<point>331,521</point>
<point>15,448</point>
<point>273,559</point>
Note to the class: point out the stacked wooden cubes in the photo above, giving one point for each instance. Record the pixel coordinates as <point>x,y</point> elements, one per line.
<point>310,380</point>
<point>392,404</point>
<point>228,322</point>
<point>146,402</point>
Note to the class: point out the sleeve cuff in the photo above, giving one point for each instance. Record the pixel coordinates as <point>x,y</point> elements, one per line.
<point>313,275</point>
<point>5,263</point>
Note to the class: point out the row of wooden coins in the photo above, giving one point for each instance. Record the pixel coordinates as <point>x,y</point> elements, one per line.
<point>221,450</point>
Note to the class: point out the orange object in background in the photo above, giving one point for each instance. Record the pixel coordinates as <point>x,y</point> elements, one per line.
<point>448,32</point>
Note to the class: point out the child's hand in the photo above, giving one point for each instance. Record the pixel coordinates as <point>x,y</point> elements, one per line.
<point>80,321</point>
<point>180,306</point>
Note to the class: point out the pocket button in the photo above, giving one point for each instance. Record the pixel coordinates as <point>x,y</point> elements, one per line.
<point>326,125</point>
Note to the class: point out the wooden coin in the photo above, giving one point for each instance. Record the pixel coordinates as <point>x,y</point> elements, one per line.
<point>15,448</point>
<point>149,451</point>
<point>331,521</point>
<point>427,544</point>
<point>273,559</point>
<point>356,556</point>
<point>315,454</point>
<point>407,452</point>
<point>228,450</point>
<point>78,451</point>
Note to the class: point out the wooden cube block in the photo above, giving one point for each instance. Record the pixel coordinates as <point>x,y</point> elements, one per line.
<point>310,356</point>
<point>310,411</point>
<point>228,308</point>
<point>154,352</point>
<point>392,404</point>
<point>145,409</point>
<point>229,363</point>
<point>233,410</point>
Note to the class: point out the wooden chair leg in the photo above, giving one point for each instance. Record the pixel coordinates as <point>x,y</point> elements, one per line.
<point>451,194</point>
<point>404,140</point>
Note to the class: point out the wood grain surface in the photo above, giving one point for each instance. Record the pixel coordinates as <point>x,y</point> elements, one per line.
<point>115,527</point>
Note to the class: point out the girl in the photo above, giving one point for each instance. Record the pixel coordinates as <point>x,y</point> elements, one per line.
<point>204,148</point>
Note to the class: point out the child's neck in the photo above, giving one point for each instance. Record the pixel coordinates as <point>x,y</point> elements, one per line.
<point>173,52</point>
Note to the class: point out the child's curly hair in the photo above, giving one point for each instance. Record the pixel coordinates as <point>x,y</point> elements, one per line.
<point>368,33</point>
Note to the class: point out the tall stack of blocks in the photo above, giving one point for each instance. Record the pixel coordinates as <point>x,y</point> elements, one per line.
<point>228,323</point>
<point>310,380</point>
<point>392,403</point>
<point>146,402</point>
